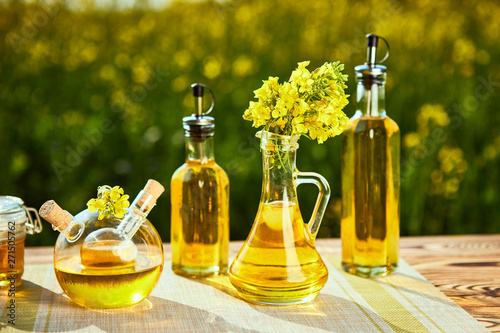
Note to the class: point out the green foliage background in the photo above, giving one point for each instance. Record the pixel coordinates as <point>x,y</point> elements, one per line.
<point>111,85</point>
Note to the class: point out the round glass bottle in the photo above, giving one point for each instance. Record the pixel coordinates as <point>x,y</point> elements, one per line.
<point>102,261</point>
<point>108,286</point>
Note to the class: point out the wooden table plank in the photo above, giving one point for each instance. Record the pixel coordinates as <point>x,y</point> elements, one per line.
<point>465,268</point>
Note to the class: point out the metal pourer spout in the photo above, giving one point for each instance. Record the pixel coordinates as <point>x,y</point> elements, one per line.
<point>372,44</point>
<point>372,50</point>
<point>199,126</point>
<point>371,76</point>
<point>372,71</point>
<point>198,90</point>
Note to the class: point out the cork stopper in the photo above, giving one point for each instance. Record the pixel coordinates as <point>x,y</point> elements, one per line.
<point>55,215</point>
<point>154,188</point>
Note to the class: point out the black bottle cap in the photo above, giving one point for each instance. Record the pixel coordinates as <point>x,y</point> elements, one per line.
<point>197,89</point>
<point>372,40</point>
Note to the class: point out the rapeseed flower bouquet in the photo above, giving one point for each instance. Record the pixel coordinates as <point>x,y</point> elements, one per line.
<point>309,104</point>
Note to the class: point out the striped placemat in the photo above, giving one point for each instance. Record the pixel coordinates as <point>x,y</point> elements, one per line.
<point>402,302</point>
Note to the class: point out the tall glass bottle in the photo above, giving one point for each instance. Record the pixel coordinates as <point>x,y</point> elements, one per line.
<point>370,177</point>
<point>200,201</point>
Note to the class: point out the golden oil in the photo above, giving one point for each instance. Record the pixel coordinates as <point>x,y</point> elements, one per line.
<point>370,196</point>
<point>200,219</point>
<point>278,264</point>
<point>11,261</point>
<point>108,253</point>
<point>110,287</point>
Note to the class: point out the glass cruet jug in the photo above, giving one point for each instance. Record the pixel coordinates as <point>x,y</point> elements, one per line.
<point>278,263</point>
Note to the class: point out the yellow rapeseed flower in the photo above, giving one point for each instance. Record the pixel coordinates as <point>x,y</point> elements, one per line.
<point>309,104</point>
<point>109,201</point>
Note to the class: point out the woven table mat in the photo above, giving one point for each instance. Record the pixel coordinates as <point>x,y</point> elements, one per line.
<point>401,302</point>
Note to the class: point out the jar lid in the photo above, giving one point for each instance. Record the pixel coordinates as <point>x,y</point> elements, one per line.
<point>9,204</point>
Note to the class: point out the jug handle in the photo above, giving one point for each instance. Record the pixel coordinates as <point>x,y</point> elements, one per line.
<point>321,201</point>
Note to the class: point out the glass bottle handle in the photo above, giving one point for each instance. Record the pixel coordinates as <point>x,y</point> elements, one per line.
<point>321,201</point>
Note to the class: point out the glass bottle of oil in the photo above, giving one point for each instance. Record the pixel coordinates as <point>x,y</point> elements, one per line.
<point>108,286</point>
<point>94,277</point>
<point>200,201</point>
<point>278,263</point>
<point>370,176</point>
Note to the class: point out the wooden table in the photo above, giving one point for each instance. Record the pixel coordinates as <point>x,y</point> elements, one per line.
<point>465,268</point>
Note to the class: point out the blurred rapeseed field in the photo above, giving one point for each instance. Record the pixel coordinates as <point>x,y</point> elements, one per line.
<point>93,95</point>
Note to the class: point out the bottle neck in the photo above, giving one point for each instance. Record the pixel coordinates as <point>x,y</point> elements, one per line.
<point>279,173</point>
<point>370,98</point>
<point>73,230</point>
<point>136,215</point>
<point>199,150</point>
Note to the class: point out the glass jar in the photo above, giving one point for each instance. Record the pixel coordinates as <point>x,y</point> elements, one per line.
<point>16,221</point>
